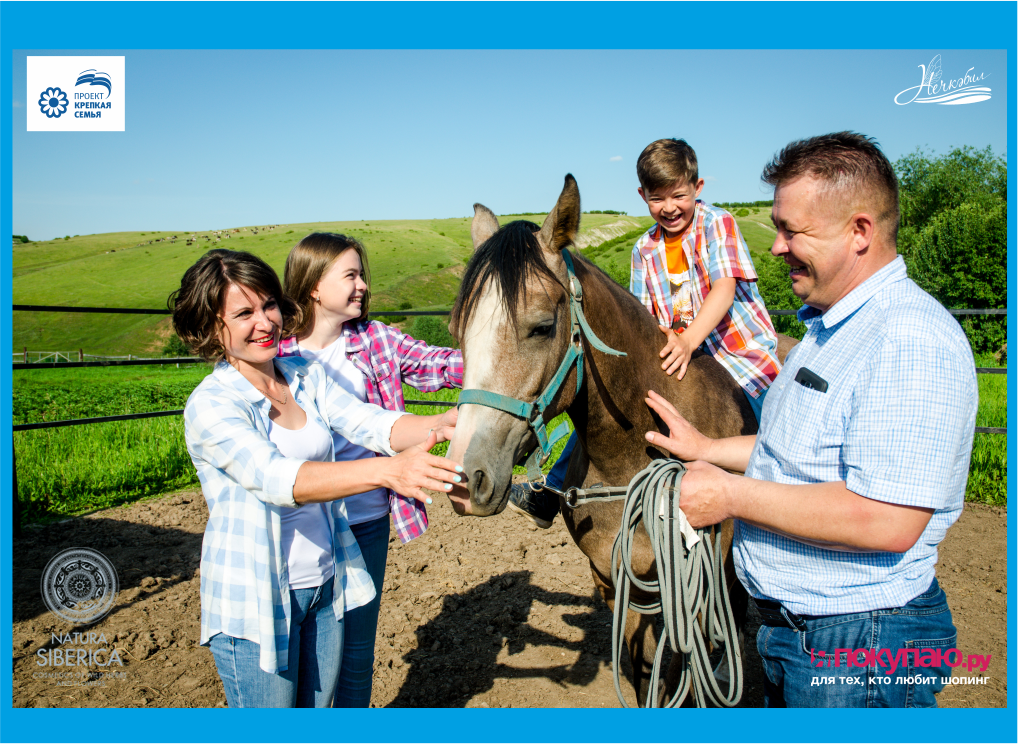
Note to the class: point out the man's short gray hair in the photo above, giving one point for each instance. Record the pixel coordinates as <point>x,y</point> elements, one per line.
<point>851,166</point>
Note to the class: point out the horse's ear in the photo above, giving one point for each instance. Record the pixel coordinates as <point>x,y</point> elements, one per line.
<point>561,224</point>
<point>485,225</point>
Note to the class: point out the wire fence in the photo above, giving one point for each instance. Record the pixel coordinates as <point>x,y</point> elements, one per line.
<point>123,361</point>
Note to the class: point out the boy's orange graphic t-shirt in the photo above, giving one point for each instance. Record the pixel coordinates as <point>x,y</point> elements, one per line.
<point>679,281</point>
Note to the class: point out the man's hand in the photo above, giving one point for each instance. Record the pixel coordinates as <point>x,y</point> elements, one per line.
<point>676,353</point>
<point>705,495</point>
<point>684,441</point>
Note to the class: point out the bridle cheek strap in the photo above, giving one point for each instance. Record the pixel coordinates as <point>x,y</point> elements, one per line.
<point>533,413</point>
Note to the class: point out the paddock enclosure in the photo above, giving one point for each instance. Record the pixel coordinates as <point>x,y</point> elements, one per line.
<point>475,613</point>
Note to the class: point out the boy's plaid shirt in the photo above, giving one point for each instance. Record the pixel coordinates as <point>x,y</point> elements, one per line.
<point>387,358</point>
<point>744,341</point>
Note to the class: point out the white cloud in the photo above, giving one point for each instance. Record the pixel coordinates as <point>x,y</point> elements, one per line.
<point>17,104</point>
<point>614,158</point>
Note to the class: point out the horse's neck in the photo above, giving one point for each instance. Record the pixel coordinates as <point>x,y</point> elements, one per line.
<point>612,417</point>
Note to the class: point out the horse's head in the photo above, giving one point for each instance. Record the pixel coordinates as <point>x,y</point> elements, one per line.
<point>512,320</point>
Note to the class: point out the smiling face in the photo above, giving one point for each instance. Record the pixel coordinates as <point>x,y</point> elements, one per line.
<point>672,206</point>
<point>252,324</point>
<point>340,292</point>
<point>819,242</point>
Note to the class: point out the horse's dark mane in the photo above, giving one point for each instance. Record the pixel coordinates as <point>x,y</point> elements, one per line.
<point>510,257</point>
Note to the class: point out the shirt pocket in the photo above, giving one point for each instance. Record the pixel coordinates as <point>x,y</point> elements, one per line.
<point>807,428</point>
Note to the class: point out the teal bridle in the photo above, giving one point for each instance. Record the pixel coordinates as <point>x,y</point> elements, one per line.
<point>533,413</point>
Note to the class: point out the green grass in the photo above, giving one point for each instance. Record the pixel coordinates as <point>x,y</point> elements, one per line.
<point>987,482</point>
<point>76,469</point>
<point>123,270</point>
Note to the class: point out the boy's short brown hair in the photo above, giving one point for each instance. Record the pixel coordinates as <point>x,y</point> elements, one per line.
<point>306,265</point>
<point>852,168</point>
<point>665,162</point>
<point>198,304</point>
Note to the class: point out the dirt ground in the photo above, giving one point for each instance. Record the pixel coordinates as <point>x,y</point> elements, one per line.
<point>476,613</point>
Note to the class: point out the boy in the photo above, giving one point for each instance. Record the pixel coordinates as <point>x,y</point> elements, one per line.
<point>694,274</point>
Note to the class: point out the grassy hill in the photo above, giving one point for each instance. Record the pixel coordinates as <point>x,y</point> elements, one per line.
<point>419,262</point>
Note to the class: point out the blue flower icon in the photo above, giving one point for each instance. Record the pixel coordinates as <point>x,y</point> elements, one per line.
<point>53,102</point>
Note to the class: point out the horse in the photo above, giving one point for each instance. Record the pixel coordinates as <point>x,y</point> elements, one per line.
<point>512,320</point>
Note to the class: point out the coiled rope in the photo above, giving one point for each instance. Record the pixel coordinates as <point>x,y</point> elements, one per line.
<point>691,589</point>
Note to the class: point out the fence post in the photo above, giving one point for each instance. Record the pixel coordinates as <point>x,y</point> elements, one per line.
<point>81,355</point>
<point>16,501</point>
<point>26,355</point>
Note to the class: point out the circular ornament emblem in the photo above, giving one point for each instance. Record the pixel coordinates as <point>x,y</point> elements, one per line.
<point>79,585</point>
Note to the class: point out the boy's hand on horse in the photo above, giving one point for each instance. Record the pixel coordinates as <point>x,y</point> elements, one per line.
<point>415,468</point>
<point>677,351</point>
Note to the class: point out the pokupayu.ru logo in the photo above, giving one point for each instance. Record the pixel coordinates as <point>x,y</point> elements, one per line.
<point>968,88</point>
<point>53,102</point>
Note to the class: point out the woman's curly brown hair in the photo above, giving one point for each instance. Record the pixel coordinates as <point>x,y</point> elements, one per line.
<point>197,306</point>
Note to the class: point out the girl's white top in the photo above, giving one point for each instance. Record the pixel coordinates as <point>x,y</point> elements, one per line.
<point>363,507</point>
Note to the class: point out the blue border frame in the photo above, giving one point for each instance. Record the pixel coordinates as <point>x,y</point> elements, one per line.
<point>456,25</point>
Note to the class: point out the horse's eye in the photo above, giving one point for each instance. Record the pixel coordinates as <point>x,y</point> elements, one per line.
<point>541,330</point>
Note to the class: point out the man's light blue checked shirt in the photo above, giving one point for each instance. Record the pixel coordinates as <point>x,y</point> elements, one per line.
<point>895,424</point>
<point>247,484</point>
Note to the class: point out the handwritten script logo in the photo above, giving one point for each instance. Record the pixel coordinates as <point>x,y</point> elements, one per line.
<point>966,89</point>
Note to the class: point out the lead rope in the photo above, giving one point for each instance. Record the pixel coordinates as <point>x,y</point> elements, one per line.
<point>690,585</point>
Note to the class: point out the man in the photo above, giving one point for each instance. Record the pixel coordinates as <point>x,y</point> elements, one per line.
<point>862,456</point>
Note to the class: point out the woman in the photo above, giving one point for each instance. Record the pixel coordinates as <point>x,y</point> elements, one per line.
<point>279,564</point>
<point>327,276</point>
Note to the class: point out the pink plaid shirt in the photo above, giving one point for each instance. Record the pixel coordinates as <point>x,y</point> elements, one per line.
<point>387,358</point>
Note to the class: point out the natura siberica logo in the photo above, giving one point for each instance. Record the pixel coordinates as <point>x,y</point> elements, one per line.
<point>53,102</point>
<point>935,88</point>
<point>79,585</point>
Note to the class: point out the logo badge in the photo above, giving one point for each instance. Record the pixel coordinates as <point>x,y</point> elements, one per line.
<point>76,94</point>
<point>968,88</point>
<point>79,585</point>
<point>53,102</point>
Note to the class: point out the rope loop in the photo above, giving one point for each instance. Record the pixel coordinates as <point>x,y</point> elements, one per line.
<point>691,590</point>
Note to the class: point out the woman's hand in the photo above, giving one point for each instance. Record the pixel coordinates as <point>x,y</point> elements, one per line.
<point>677,352</point>
<point>447,425</point>
<point>683,441</point>
<point>415,468</point>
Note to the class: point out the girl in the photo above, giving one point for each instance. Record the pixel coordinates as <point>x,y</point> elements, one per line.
<point>327,276</point>
<point>279,564</point>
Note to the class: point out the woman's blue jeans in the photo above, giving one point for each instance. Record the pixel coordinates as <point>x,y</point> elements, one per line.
<point>361,624</point>
<point>316,646</point>
<point>805,668</point>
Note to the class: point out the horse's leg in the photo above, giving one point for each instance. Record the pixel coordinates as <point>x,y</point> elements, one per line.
<point>640,638</point>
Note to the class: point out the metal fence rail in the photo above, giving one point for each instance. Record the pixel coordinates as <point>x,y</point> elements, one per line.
<point>382,313</point>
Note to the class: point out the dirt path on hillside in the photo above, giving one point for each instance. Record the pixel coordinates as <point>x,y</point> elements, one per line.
<point>477,613</point>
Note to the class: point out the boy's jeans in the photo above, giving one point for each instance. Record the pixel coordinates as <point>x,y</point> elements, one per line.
<point>792,660</point>
<point>316,647</point>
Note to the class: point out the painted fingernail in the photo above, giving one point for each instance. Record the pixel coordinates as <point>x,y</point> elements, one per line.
<point>448,486</point>
<point>459,468</point>
<point>457,479</point>
<point>427,500</point>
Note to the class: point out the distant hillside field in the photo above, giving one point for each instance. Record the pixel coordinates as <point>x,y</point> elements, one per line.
<point>419,262</point>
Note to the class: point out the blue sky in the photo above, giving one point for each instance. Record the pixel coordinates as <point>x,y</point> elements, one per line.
<point>238,137</point>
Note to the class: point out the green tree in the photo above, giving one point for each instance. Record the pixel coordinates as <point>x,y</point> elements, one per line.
<point>433,330</point>
<point>953,234</point>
